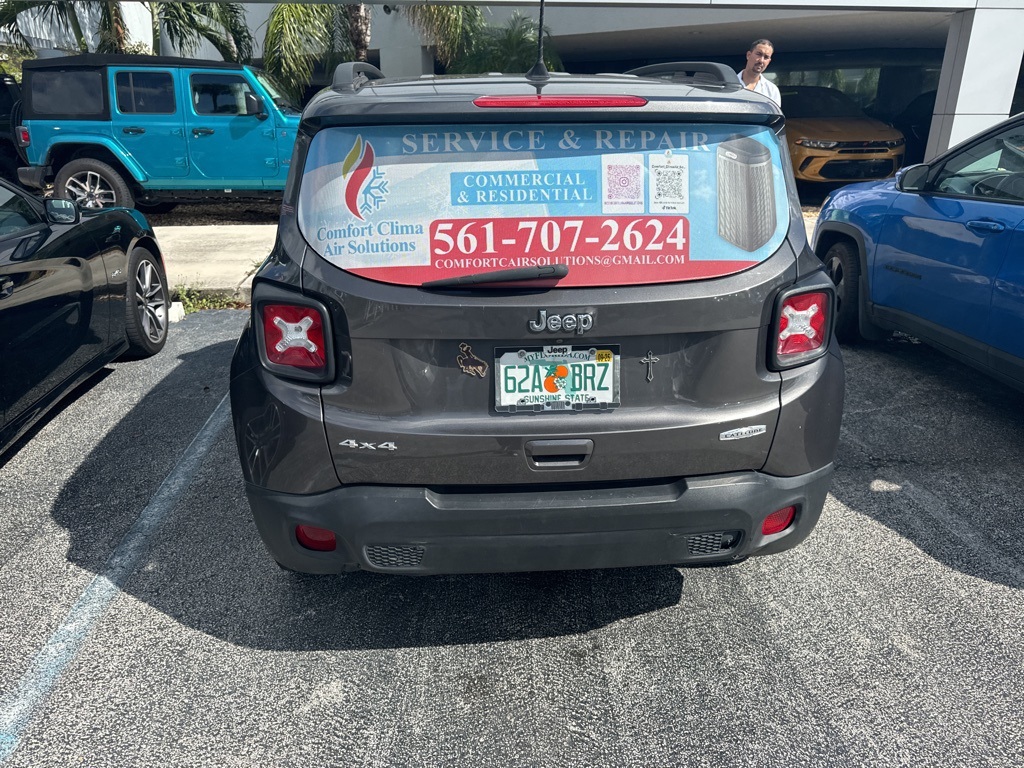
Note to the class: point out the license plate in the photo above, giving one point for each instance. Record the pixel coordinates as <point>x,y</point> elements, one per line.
<point>556,378</point>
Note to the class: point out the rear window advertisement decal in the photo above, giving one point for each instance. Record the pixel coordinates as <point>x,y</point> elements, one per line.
<point>620,205</point>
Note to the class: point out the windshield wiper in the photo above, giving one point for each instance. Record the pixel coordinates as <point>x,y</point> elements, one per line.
<point>522,274</point>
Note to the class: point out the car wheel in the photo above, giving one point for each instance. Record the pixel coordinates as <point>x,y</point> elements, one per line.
<point>146,305</point>
<point>93,184</point>
<point>843,267</point>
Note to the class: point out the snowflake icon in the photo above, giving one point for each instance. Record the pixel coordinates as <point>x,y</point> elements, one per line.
<point>374,193</point>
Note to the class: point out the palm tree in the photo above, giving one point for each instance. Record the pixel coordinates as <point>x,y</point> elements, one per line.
<point>453,29</point>
<point>510,48</point>
<point>187,25</point>
<point>299,35</point>
<point>59,13</point>
<point>112,29</point>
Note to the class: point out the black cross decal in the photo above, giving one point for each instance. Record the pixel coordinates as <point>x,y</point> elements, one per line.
<point>649,361</point>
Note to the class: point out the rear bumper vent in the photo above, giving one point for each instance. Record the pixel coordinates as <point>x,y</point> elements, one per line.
<point>394,557</point>
<point>713,543</point>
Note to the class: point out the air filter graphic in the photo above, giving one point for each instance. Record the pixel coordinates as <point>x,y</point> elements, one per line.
<point>746,193</point>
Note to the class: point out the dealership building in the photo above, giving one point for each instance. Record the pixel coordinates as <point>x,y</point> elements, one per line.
<point>956,62</point>
<point>963,56</point>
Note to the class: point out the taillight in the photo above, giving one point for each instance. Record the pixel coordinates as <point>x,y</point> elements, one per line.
<point>542,101</point>
<point>294,340</point>
<point>23,137</point>
<point>801,329</point>
<point>778,521</point>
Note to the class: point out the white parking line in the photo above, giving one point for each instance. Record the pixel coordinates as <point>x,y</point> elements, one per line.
<point>18,707</point>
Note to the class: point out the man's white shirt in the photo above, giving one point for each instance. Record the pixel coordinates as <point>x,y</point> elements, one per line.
<point>764,86</point>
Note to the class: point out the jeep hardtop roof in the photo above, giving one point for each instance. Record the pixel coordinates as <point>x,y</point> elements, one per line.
<point>700,91</point>
<point>125,60</point>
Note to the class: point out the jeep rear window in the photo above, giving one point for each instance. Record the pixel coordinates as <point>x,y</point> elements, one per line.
<point>68,93</point>
<point>618,204</point>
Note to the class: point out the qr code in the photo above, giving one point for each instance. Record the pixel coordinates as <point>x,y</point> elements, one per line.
<point>623,182</point>
<point>669,184</point>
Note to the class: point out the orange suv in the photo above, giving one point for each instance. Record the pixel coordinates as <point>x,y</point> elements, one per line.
<point>832,139</point>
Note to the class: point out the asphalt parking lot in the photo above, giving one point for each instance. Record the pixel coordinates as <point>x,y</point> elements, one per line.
<point>143,624</point>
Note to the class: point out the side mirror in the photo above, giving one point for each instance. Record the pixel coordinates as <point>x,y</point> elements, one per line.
<point>913,178</point>
<point>60,211</point>
<point>254,106</point>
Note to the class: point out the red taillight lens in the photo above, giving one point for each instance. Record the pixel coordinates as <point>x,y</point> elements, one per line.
<point>294,336</point>
<point>23,138</point>
<point>558,102</point>
<point>319,539</point>
<point>778,521</point>
<point>802,324</point>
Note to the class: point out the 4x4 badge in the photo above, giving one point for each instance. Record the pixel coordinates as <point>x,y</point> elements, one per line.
<point>470,363</point>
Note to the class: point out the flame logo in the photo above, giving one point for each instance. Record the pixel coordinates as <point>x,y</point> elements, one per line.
<point>358,162</point>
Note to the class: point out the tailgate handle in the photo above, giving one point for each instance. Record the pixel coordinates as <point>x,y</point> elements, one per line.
<point>559,454</point>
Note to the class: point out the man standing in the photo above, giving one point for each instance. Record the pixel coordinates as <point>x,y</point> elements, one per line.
<point>752,75</point>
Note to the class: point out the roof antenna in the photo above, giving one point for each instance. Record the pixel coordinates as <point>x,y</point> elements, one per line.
<point>539,71</point>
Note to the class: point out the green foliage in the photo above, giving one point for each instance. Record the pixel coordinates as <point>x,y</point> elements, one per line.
<point>297,36</point>
<point>451,29</point>
<point>187,25</point>
<point>195,299</point>
<point>60,14</point>
<point>15,56</point>
<point>510,48</point>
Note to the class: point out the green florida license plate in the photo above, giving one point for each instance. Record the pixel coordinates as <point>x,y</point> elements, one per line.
<point>556,378</point>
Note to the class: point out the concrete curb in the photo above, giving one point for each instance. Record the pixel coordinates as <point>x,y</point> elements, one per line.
<point>215,260</point>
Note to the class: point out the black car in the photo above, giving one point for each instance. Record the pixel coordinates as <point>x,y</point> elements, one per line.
<point>537,322</point>
<point>76,292</point>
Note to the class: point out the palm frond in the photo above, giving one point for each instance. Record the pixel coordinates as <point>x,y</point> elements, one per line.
<point>9,10</point>
<point>179,23</point>
<point>296,35</point>
<point>509,48</point>
<point>228,23</point>
<point>450,28</point>
<point>112,30</point>
<point>63,16</point>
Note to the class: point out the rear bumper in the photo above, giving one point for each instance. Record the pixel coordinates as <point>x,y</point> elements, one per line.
<point>417,530</point>
<point>33,176</point>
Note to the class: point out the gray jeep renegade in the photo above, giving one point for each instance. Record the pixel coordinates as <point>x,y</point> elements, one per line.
<point>534,322</point>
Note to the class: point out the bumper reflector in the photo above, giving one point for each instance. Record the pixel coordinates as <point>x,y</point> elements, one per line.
<point>319,539</point>
<point>778,521</point>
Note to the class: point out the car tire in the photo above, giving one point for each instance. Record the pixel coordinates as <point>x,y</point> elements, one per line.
<point>843,268</point>
<point>147,305</point>
<point>93,184</point>
<point>148,208</point>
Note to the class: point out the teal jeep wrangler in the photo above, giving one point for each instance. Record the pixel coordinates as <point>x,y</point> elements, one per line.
<point>146,131</point>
